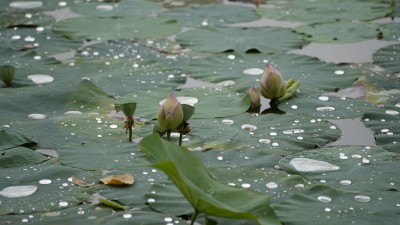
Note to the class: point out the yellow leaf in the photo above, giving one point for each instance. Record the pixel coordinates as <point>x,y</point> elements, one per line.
<point>121,179</point>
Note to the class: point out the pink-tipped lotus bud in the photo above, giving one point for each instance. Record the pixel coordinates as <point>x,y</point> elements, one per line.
<point>170,115</point>
<point>254,97</point>
<point>272,84</point>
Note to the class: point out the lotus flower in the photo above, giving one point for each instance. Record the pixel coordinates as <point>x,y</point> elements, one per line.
<point>254,97</point>
<point>272,84</point>
<point>170,115</point>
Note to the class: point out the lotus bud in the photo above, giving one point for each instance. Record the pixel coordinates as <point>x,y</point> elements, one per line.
<point>254,97</point>
<point>7,74</point>
<point>170,115</point>
<point>272,84</point>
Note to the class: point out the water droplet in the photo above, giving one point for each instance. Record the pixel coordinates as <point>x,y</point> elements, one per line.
<point>220,158</point>
<point>345,182</point>
<point>293,131</point>
<point>392,112</point>
<point>113,126</point>
<point>362,198</point>
<point>168,219</point>
<point>323,98</point>
<point>63,204</point>
<point>99,135</point>
<point>227,122</point>
<point>253,71</point>
<point>183,100</point>
<point>37,116</point>
<point>231,56</point>
<point>397,105</point>
<point>26,4</point>
<point>41,78</point>
<point>62,4</point>
<point>339,72</point>
<point>325,109</point>
<point>73,113</point>
<point>104,7</point>
<point>294,107</point>
<point>24,220</point>
<point>275,144</point>
<point>80,211</point>
<point>15,37</point>
<point>365,161</point>
<point>204,23</point>
<point>226,83</point>
<point>312,165</point>
<point>246,185</point>
<point>264,141</point>
<point>299,186</point>
<point>324,199</point>
<point>356,156</point>
<point>151,200</point>
<point>271,185</point>
<point>18,191</point>
<point>45,181</point>
<point>29,39</point>
<point>327,209</point>
<point>248,127</point>
<point>127,216</point>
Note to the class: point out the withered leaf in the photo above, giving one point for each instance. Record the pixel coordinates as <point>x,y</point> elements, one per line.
<point>120,179</point>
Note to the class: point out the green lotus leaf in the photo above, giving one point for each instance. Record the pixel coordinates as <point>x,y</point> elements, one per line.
<point>246,70</point>
<point>336,206</point>
<point>200,189</point>
<point>10,138</point>
<point>123,8</point>
<point>116,28</point>
<point>383,123</point>
<point>354,169</point>
<point>344,32</point>
<point>241,40</point>
<point>20,156</point>
<point>388,58</point>
<point>272,133</point>
<point>325,11</point>
<point>54,190</point>
<point>212,15</point>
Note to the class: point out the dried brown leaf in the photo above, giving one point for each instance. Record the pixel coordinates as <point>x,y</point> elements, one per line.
<point>121,179</point>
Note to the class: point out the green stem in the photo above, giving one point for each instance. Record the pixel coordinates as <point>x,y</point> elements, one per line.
<point>130,134</point>
<point>129,124</point>
<point>168,135</point>
<point>180,138</point>
<point>194,217</point>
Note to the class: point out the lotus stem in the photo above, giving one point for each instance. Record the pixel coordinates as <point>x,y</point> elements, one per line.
<point>194,216</point>
<point>129,124</point>
<point>180,138</point>
<point>168,135</point>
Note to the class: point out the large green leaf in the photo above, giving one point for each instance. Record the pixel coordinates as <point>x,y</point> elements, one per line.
<point>200,189</point>
<point>240,40</point>
<point>117,28</point>
<point>212,15</point>
<point>326,10</point>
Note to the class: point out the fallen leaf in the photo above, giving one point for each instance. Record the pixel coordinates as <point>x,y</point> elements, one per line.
<point>122,179</point>
<point>80,182</point>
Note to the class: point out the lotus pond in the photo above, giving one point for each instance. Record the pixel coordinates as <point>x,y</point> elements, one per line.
<point>329,154</point>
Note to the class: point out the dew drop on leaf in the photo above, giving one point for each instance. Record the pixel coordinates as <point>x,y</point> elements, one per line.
<point>323,98</point>
<point>248,127</point>
<point>127,216</point>
<point>324,199</point>
<point>339,72</point>
<point>392,112</point>
<point>312,165</point>
<point>41,78</point>
<point>26,4</point>
<point>362,198</point>
<point>18,191</point>
<point>271,185</point>
<point>264,141</point>
<point>37,116</point>
<point>325,109</point>
<point>345,182</point>
<point>253,71</point>
<point>45,181</point>
<point>227,122</point>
